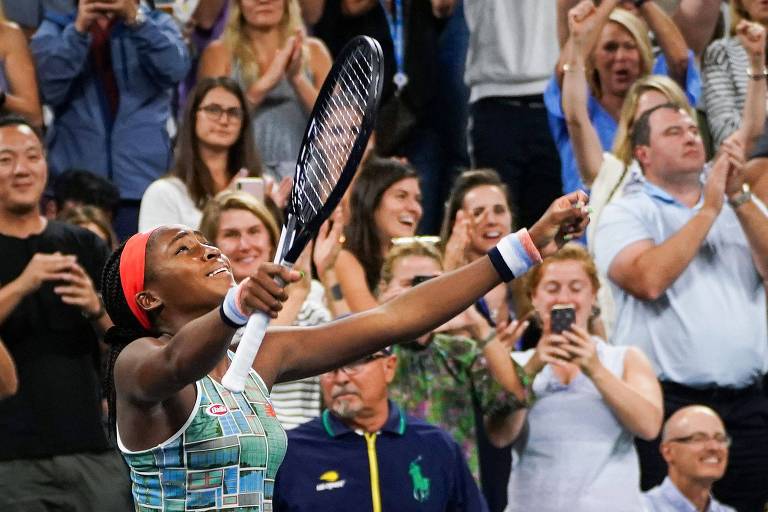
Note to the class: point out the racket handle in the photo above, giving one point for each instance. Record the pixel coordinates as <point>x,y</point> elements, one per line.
<point>234,379</point>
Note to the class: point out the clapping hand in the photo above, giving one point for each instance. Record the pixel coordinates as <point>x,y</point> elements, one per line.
<point>456,247</point>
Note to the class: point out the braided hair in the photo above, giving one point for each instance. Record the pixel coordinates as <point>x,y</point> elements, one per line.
<point>126,327</point>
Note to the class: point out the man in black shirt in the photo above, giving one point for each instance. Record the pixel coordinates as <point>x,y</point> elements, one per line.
<point>53,451</point>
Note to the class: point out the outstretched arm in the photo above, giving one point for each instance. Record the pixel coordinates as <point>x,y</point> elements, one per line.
<point>298,353</point>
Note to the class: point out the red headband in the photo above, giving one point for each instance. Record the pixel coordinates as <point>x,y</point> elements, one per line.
<point>132,273</point>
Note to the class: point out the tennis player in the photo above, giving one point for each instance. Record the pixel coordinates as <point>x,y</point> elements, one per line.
<point>191,443</point>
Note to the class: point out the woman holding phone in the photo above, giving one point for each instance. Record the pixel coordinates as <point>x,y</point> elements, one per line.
<point>582,401</point>
<point>214,148</point>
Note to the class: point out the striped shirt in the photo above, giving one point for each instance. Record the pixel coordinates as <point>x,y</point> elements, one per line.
<point>299,401</point>
<point>724,73</point>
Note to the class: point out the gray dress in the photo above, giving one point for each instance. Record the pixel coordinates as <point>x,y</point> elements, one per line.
<point>278,125</point>
<point>573,453</point>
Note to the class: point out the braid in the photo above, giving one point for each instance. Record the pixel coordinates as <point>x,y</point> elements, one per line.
<point>126,327</point>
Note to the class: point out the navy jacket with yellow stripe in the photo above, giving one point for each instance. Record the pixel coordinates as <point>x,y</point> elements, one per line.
<point>409,465</point>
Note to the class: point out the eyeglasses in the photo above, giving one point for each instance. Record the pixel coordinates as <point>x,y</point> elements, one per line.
<point>700,438</point>
<point>356,366</point>
<point>214,111</point>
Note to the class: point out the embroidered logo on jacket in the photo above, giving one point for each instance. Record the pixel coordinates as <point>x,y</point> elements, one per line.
<point>420,482</point>
<point>330,481</point>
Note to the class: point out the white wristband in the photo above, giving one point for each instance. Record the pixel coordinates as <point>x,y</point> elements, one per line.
<point>514,255</point>
<point>230,310</point>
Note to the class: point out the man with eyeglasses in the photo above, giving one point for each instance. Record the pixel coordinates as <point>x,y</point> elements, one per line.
<point>364,453</point>
<point>695,446</point>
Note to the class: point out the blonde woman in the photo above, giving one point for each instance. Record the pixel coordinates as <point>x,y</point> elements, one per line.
<point>616,51</point>
<point>608,173</point>
<point>18,84</point>
<point>265,50</point>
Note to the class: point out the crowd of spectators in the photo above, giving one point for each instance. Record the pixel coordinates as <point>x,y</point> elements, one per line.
<point>120,116</point>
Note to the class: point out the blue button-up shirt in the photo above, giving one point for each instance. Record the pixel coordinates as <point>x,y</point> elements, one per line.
<point>709,328</point>
<point>668,498</point>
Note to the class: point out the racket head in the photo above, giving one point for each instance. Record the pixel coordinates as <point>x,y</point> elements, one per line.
<point>334,142</point>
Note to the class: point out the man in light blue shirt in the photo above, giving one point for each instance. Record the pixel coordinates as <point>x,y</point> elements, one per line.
<point>687,272</point>
<point>695,446</point>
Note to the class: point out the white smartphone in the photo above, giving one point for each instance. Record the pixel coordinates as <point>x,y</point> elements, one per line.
<point>254,186</point>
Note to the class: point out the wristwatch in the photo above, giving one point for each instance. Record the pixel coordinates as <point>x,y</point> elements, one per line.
<point>92,317</point>
<point>742,197</point>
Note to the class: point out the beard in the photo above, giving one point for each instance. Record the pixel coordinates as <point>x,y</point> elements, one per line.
<point>346,409</point>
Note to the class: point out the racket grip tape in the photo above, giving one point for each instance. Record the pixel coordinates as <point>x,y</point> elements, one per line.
<point>234,379</point>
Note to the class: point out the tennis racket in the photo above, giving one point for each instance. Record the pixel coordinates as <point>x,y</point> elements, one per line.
<point>334,142</point>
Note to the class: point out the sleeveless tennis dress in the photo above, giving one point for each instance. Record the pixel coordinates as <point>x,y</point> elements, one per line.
<point>225,457</point>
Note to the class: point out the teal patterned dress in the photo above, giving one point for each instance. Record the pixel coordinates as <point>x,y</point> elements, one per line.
<point>224,458</point>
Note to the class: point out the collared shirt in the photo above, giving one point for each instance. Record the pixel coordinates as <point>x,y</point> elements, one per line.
<point>442,383</point>
<point>668,498</point>
<point>709,327</point>
<point>601,119</point>
<point>409,465</point>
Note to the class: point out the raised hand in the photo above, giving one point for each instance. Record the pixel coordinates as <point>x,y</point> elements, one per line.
<point>714,187</point>
<point>457,244</point>
<point>581,20</point>
<point>87,13</point>
<point>566,218</point>
<point>733,149</point>
<point>549,350</point>
<point>508,334</point>
<point>752,38</point>
<point>271,76</point>
<point>582,351</point>
<point>296,58</point>
<point>328,243</point>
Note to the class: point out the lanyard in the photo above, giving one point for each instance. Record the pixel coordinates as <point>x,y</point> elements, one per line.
<point>396,32</point>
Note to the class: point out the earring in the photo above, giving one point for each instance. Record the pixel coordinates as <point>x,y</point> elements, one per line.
<point>595,312</point>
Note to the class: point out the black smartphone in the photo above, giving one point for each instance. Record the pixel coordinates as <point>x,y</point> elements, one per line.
<point>420,279</point>
<point>561,318</point>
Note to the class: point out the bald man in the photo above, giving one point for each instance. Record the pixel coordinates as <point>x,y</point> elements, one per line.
<point>695,445</point>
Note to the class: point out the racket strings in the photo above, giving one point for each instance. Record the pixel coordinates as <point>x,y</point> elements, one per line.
<point>333,136</point>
